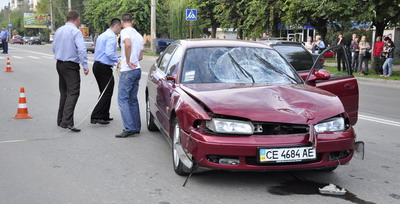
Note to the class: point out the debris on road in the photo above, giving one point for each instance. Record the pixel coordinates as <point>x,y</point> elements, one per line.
<point>331,189</point>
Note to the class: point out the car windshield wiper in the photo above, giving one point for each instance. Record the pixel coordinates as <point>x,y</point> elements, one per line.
<point>265,62</point>
<point>244,72</point>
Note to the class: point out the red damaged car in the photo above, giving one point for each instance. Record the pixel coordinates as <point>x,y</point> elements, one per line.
<point>237,105</point>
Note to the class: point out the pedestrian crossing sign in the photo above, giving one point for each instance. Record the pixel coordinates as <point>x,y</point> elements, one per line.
<point>191,14</point>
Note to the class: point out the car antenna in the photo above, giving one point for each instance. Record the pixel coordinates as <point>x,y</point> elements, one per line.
<point>190,174</point>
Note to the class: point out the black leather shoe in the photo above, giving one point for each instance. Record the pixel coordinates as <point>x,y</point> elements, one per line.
<point>108,119</point>
<point>72,128</point>
<point>100,121</point>
<point>125,134</point>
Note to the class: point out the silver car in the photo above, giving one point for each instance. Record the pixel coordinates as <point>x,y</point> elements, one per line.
<point>89,43</point>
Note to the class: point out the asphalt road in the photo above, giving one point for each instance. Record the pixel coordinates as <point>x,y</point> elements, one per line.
<point>42,163</point>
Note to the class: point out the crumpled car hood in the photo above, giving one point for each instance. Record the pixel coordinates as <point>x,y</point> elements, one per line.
<point>296,104</point>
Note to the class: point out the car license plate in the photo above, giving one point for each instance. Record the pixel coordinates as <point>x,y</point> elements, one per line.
<point>281,155</point>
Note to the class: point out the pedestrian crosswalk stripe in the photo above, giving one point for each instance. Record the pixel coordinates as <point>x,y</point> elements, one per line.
<point>33,57</point>
<point>17,57</point>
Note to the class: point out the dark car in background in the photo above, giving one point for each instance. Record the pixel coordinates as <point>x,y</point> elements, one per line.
<point>17,39</point>
<point>237,105</point>
<point>89,43</point>
<point>34,41</point>
<point>162,44</point>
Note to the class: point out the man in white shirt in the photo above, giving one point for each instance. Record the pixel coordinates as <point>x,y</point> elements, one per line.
<point>131,54</point>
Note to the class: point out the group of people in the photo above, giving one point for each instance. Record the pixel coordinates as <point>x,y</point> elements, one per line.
<point>383,52</point>
<point>316,46</point>
<point>70,51</point>
<point>383,55</point>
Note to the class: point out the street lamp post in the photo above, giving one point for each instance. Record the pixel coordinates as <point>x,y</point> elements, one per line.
<point>51,16</point>
<point>153,26</point>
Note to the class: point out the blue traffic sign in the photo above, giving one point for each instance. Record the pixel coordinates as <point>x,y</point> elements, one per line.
<point>191,14</point>
<point>9,25</point>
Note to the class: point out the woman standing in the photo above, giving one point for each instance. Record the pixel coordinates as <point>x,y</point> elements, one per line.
<point>388,52</point>
<point>355,50</point>
<point>319,45</point>
<point>309,44</point>
<point>363,55</point>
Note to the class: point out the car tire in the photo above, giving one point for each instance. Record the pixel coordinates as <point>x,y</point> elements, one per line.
<point>151,126</point>
<point>179,167</point>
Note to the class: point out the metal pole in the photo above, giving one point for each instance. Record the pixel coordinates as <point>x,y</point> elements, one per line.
<point>69,5</point>
<point>51,16</point>
<point>9,21</point>
<point>190,29</point>
<point>153,26</point>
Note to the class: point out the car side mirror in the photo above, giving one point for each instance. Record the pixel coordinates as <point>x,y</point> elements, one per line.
<point>321,74</point>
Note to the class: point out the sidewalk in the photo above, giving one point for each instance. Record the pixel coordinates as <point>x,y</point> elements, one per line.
<point>396,67</point>
<point>374,80</point>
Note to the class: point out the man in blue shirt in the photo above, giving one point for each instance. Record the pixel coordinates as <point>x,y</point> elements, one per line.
<point>69,50</point>
<point>105,56</point>
<point>4,40</point>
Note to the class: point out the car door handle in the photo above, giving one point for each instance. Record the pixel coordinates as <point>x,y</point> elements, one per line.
<point>349,86</point>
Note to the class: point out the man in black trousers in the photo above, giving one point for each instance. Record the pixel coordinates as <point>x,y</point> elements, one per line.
<point>105,56</point>
<point>340,53</point>
<point>69,50</point>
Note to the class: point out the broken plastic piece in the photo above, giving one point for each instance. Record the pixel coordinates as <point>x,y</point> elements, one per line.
<point>331,189</point>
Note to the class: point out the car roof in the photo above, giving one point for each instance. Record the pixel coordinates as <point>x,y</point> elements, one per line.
<point>197,43</point>
<point>279,42</point>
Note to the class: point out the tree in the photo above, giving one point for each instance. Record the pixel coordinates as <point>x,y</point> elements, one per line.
<point>381,13</point>
<point>178,25</point>
<point>208,11</point>
<point>98,13</point>
<point>319,14</point>
<point>231,15</point>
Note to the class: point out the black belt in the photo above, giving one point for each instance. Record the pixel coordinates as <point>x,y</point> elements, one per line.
<point>97,62</point>
<point>67,62</point>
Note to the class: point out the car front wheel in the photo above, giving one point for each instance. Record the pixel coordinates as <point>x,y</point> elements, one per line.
<point>179,167</point>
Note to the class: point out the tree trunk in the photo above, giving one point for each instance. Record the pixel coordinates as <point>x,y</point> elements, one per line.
<point>213,32</point>
<point>380,27</point>
<point>240,33</point>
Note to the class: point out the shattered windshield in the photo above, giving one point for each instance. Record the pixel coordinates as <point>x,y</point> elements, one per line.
<point>236,65</point>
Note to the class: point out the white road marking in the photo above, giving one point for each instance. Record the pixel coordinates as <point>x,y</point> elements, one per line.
<point>18,57</point>
<point>33,57</point>
<point>2,58</point>
<point>379,120</point>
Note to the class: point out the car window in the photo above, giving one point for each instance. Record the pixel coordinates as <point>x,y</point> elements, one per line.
<point>236,65</point>
<point>296,55</point>
<point>174,62</point>
<point>162,65</point>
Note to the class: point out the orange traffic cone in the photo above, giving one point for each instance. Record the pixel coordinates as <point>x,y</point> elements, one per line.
<point>8,68</point>
<point>22,112</point>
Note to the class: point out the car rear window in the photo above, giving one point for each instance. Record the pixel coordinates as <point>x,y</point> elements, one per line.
<point>296,55</point>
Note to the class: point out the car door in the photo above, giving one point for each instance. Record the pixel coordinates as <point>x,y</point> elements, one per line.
<point>167,84</point>
<point>158,76</point>
<point>343,84</point>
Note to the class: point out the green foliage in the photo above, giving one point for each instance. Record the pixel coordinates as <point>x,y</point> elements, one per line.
<point>178,26</point>
<point>98,13</point>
